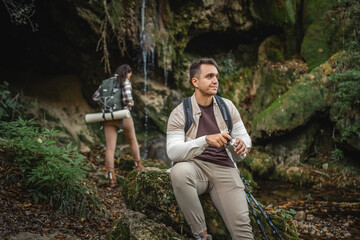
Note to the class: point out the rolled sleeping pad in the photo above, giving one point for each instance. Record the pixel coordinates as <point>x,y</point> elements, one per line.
<point>98,117</point>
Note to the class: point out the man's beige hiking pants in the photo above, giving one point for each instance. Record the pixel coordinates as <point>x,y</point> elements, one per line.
<point>193,178</point>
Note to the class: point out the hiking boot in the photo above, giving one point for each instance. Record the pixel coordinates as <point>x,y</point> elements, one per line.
<point>112,179</point>
<point>202,236</point>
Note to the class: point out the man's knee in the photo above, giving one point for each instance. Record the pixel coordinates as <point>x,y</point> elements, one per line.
<point>182,173</point>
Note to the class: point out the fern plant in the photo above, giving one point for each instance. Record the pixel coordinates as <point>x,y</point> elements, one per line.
<point>52,173</point>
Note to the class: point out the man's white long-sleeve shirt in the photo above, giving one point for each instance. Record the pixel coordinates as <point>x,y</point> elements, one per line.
<point>183,146</point>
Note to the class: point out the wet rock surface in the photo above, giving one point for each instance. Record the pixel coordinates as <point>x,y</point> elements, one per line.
<point>321,213</point>
<point>327,220</point>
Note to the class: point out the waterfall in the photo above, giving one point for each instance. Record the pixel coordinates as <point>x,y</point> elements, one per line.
<point>144,56</point>
<point>165,65</point>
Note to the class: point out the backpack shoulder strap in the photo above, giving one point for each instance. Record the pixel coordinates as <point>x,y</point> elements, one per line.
<point>189,119</point>
<point>224,112</point>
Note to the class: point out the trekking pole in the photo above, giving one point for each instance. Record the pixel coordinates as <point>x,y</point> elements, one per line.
<point>257,218</point>
<point>262,211</point>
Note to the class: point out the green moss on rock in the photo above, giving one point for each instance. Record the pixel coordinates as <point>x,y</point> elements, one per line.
<point>294,108</point>
<point>322,37</point>
<point>315,47</point>
<point>261,164</point>
<point>279,12</point>
<point>246,174</point>
<point>293,148</point>
<point>296,175</point>
<point>149,191</point>
<point>136,226</point>
<point>286,229</point>
<point>313,9</point>
<point>271,49</point>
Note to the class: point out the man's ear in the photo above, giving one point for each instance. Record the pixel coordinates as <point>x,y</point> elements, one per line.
<point>195,82</point>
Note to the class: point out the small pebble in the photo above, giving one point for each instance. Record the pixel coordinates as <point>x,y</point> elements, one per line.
<point>300,216</point>
<point>347,235</point>
<point>309,217</point>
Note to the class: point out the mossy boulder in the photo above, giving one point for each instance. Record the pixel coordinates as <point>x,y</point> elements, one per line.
<point>294,147</point>
<point>149,191</point>
<point>281,14</point>
<point>321,36</point>
<point>260,164</point>
<point>273,77</point>
<point>271,49</point>
<point>136,226</point>
<point>293,174</point>
<point>278,12</point>
<point>294,108</point>
<point>316,47</point>
<point>313,10</point>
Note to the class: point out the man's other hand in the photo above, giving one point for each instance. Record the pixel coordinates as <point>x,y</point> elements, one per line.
<point>218,139</point>
<point>240,146</point>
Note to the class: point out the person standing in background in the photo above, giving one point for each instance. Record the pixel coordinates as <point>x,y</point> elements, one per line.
<point>123,74</point>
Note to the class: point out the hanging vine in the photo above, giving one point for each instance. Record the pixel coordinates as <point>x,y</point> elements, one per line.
<point>120,23</point>
<point>21,12</point>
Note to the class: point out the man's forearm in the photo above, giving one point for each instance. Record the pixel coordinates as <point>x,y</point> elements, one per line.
<point>179,150</point>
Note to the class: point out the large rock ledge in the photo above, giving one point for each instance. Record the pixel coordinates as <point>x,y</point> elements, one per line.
<point>136,226</point>
<point>150,192</point>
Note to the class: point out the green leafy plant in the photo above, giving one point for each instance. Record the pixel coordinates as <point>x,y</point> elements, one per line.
<point>227,66</point>
<point>284,213</point>
<point>337,154</point>
<point>52,173</point>
<point>308,196</point>
<point>9,105</point>
<point>344,83</point>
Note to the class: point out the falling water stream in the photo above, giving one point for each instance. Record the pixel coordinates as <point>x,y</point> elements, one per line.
<point>165,65</point>
<point>144,55</point>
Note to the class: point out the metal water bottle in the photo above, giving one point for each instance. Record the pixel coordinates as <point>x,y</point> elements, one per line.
<point>231,147</point>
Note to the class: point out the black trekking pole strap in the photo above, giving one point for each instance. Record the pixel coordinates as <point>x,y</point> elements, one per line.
<point>257,218</point>
<point>262,211</point>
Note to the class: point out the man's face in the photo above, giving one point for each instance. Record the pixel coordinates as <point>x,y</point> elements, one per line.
<point>207,83</point>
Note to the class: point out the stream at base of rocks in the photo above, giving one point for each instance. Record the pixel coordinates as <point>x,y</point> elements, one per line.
<point>323,213</point>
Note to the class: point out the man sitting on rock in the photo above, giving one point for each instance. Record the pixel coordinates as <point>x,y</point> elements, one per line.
<point>201,163</point>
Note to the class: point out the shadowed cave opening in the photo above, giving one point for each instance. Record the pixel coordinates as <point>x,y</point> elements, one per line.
<point>243,46</point>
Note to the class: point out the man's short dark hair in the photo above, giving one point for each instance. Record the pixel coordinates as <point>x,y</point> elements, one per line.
<point>195,66</point>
